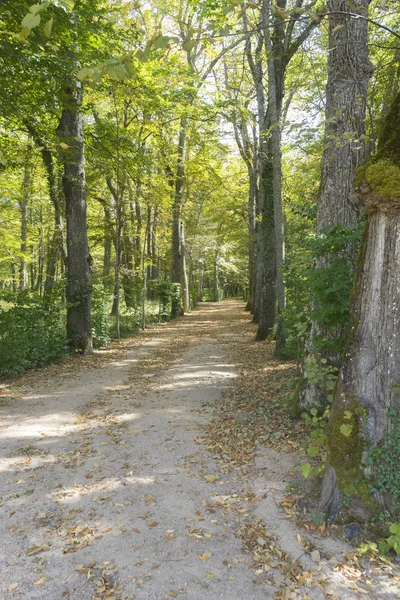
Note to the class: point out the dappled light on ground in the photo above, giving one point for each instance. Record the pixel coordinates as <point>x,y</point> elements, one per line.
<point>170,463</point>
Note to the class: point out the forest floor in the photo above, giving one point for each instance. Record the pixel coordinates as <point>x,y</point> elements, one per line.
<point>166,468</point>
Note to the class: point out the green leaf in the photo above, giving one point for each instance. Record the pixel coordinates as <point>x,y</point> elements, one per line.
<point>48,27</point>
<point>130,68</point>
<point>25,31</point>
<point>306,470</point>
<point>348,414</point>
<point>161,42</point>
<point>116,72</point>
<point>143,55</point>
<point>36,8</point>
<point>395,528</point>
<point>30,20</point>
<point>314,412</point>
<point>84,73</point>
<point>346,429</point>
<point>312,451</point>
<point>188,45</point>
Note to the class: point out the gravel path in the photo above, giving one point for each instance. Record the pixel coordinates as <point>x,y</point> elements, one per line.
<point>108,490</point>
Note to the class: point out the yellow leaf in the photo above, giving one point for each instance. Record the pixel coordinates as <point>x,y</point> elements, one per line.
<point>40,581</point>
<point>210,478</point>
<point>33,550</point>
<point>12,587</point>
<point>205,556</point>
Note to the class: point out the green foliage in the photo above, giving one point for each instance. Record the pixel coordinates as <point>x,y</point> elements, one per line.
<point>391,543</point>
<point>175,299</point>
<point>169,296</point>
<point>385,460</point>
<point>100,315</point>
<point>317,447</point>
<point>32,333</point>
<point>331,283</point>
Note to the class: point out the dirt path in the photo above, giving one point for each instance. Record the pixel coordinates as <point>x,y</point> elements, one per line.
<point>111,487</point>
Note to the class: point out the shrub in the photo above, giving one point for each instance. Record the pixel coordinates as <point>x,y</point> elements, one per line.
<point>100,315</point>
<point>32,333</point>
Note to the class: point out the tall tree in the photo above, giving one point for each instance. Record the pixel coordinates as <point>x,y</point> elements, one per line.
<point>349,71</point>
<point>365,418</point>
<point>79,288</point>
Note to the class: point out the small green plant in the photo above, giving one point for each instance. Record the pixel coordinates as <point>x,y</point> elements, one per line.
<point>393,541</point>
<point>317,448</point>
<point>384,460</point>
<point>386,545</point>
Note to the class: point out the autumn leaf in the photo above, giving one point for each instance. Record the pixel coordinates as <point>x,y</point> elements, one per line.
<point>40,581</point>
<point>205,556</point>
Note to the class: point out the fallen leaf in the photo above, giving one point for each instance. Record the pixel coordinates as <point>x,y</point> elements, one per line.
<point>315,556</point>
<point>40,581</point>
<point>205,556</point>
<point>152,523</point>
<point>12,587</point>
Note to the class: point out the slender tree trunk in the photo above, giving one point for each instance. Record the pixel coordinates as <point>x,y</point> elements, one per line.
<point>184,277</point>
<point>154,255</point>
<point>57,247</point>
<point>79,288</point>
<point>201,281</point>
<point>108,243</point>
<point>349,71</point>
<point>216,278</point>
<point>23,204</point>
<point>367,395</point>
<point>177,258</point>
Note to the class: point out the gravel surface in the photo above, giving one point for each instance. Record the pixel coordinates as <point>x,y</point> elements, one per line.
<point>108,490</point>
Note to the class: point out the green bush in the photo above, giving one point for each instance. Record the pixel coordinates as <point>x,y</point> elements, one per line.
<point>100,316</point>
<point>169,296</point>
<point>32,333</point>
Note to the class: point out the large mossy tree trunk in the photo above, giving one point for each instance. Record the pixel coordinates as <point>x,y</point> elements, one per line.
<point>79,287</point>
<point>369,381</point>
<point>349,71</point>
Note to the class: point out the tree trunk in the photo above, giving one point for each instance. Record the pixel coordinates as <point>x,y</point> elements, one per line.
<point>216,278</point>
<point>184,277</point>
<point>57,245</point>
<point>349,71</point>
<point>108,243</point>
<point>154,255</point>
<point>200,281</point>
<point>177,258</point>
<point>23,204</point>
<point>369,385</point>
<point>79,288</point>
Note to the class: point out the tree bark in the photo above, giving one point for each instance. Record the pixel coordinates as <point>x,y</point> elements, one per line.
<point>177,257</point>
<point>79,288</point>
<point>349,71</point>
<point>216,278</point>
<point>368,384</point>
<point>23,204</point>
<point>184,277</point>
<point>56,248</point>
